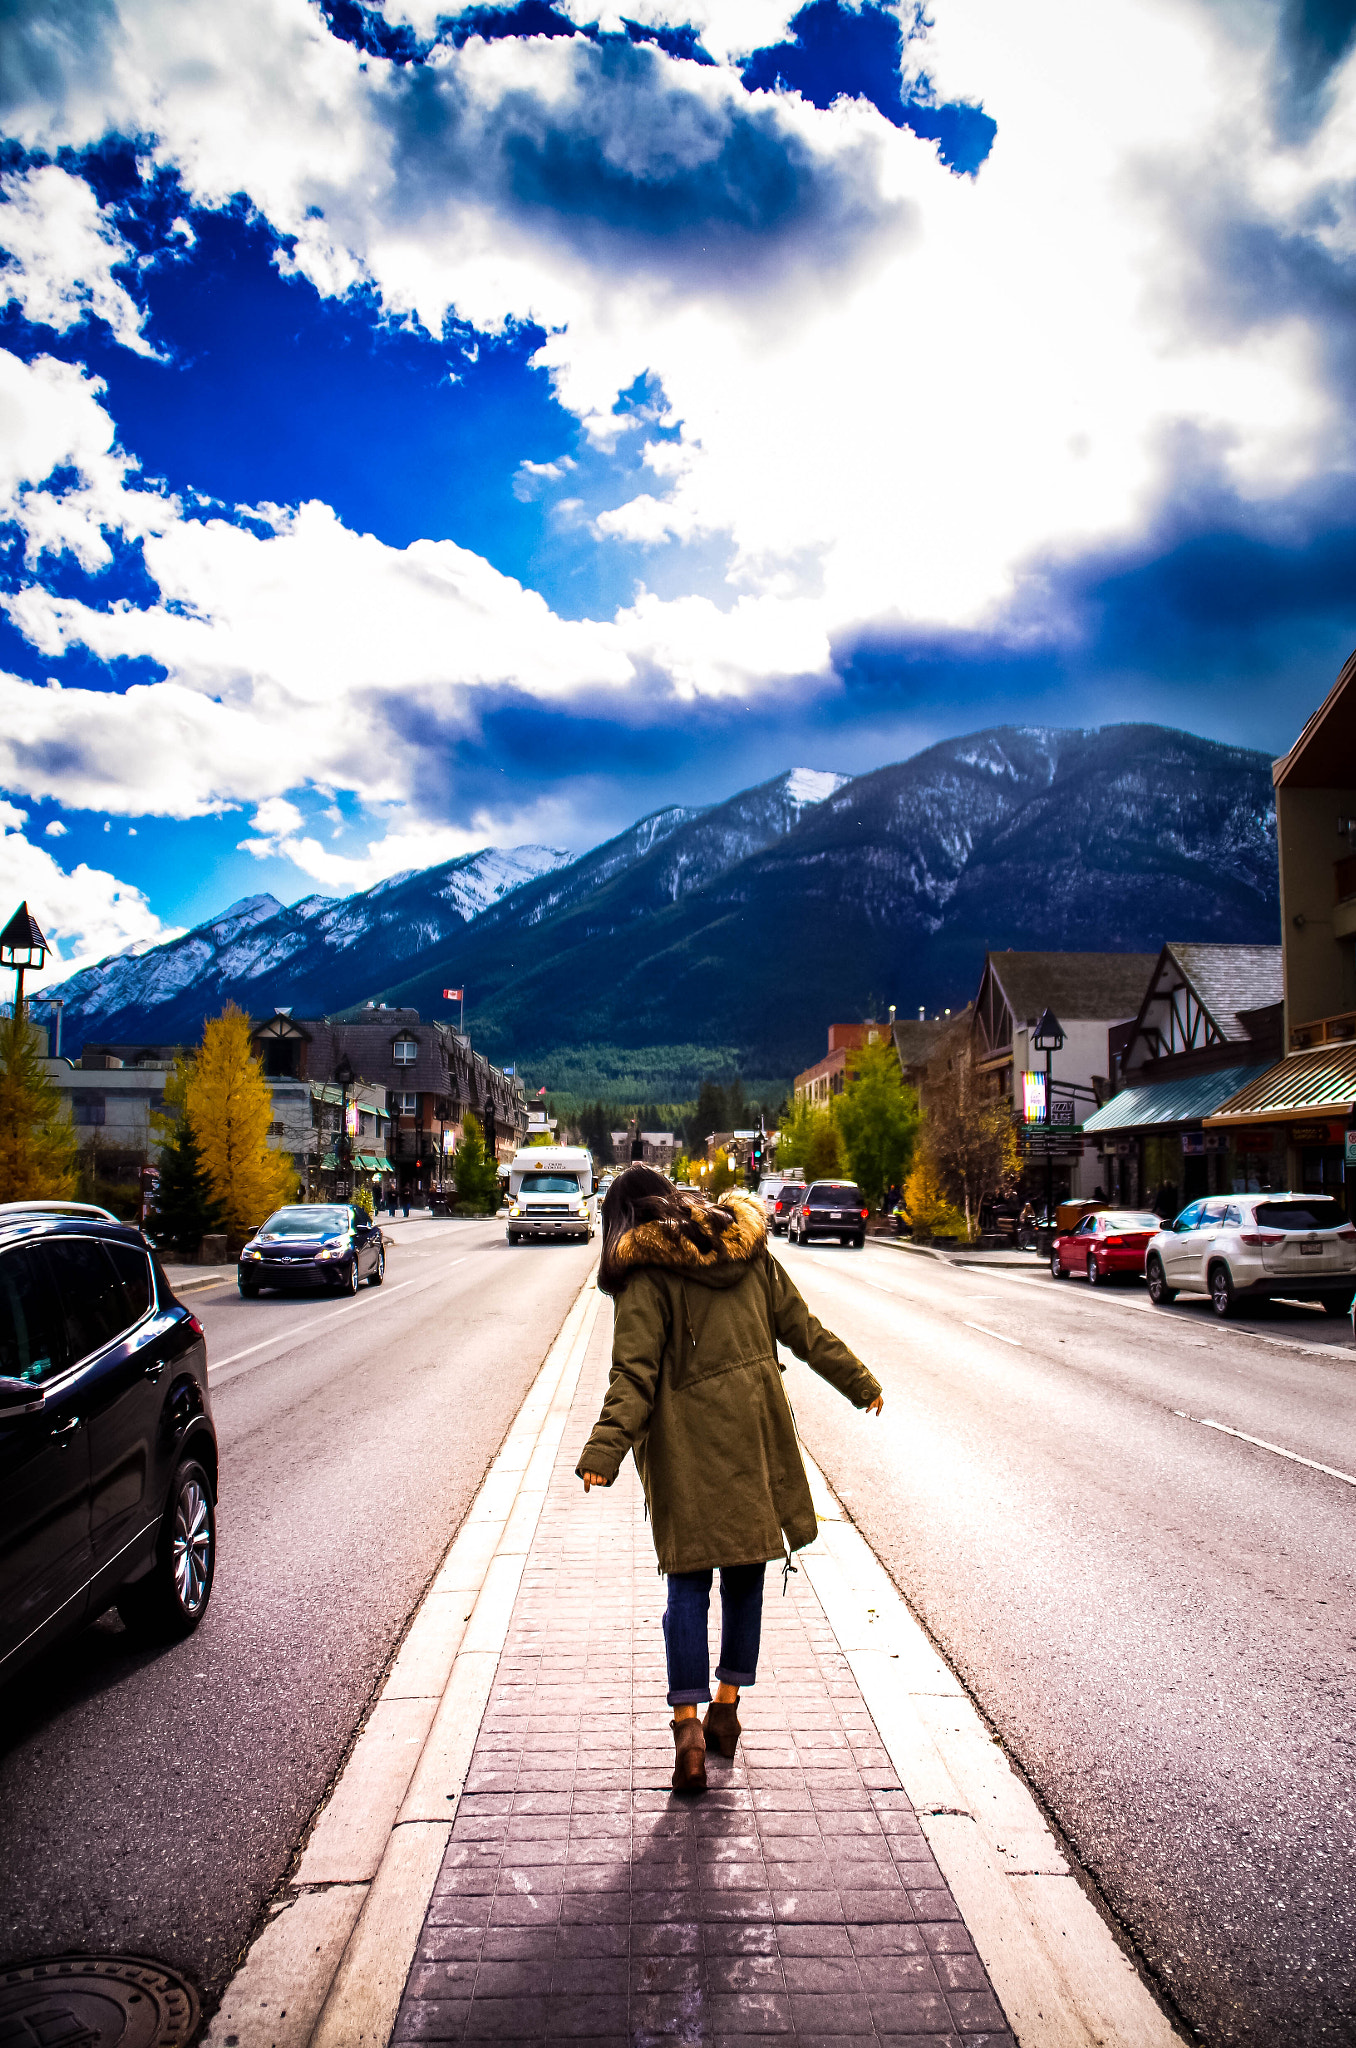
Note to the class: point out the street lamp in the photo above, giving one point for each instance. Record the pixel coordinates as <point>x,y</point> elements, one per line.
<point>343,1075</point>
<point>22,945</point>
<point>1048,1038</point>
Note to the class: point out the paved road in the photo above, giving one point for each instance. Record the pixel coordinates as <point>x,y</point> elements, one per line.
<point>152,1802</point>
<point>1157,1618</point>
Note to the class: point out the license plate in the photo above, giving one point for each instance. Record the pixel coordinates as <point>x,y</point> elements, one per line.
<point>1311,1251</point>
<point>835,1215</point>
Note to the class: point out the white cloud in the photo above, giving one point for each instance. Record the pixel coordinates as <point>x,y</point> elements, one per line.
<point>276,816</point>
<point>63,249</point>
<point>84,913</point>
<point>56,830</point>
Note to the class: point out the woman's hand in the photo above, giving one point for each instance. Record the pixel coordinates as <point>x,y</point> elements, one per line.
<point>592,1479</point>
<point>874,1407</point>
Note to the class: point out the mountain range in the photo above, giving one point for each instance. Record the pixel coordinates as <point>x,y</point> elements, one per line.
<point>755,921</point>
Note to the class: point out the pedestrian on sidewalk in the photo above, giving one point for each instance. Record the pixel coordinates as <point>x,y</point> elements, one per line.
<point>696,1396</point>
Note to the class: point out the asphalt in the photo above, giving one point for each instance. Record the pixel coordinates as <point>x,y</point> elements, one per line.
<point>1156,1617</point>
<point>152,1802</point>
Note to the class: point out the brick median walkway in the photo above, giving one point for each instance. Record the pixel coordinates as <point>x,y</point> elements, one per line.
<point>580,1900</point>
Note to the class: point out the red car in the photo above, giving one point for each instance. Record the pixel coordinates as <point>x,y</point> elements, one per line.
<point>1111,1242</point>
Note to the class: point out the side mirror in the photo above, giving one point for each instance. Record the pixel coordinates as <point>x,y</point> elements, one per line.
<point>20,1397</point>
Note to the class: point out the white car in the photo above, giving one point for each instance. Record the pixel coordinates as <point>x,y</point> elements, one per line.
<point>769,1187</point>
<point>1254,1247</point>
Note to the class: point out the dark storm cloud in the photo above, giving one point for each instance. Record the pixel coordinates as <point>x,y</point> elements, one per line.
<point>637,165</point>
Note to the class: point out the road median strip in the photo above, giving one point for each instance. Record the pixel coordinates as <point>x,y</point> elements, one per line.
<point>329,1965</point>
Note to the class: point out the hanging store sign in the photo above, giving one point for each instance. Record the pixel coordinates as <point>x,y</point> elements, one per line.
<point>1033,1097</point>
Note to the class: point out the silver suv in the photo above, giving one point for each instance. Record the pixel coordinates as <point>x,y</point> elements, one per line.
<point>1240,1247</point>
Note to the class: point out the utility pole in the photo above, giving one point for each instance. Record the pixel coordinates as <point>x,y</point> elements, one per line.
<point>1049,1038</point>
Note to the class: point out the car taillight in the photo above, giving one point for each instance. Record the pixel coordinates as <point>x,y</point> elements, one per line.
<point>867,1212</point>
<point>195,1326</point>
<point>1114,1240</point>
<point>1264,1236</point>
<point>1347,1231</point>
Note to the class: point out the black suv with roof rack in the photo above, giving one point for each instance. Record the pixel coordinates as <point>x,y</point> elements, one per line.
<point>829,1208</point>
<point>108,1455</point>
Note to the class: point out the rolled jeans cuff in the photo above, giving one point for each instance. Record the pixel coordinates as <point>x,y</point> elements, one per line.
<point>728,1677</point>
<point>690,1696</point>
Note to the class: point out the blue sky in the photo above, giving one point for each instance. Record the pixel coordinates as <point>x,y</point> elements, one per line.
<point>426,429</point>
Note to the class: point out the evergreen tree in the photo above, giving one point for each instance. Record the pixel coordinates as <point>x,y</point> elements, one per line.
<point>709,1116</point>
<point>185,1208</point>
<point>37,1144</point>
<point>475,1172</point>
<point>229,1109</point>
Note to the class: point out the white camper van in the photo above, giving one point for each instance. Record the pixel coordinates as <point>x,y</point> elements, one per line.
<point>551,1193</point>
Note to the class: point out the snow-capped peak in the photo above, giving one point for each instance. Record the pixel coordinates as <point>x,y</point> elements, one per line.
<point>249,910</point>
<point>813,785</point>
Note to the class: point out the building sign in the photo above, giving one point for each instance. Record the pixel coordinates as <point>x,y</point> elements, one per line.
<point>351,1119</point>
<point>1351,1148</point>
<point>1033,1097</point>
<point>1062,1110</point>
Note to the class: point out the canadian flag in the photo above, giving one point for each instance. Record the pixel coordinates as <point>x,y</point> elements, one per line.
<point>453,995</point>
<point>541,1091</point>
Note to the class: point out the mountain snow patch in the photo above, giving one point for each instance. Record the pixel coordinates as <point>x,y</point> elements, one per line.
<point>813,785</point>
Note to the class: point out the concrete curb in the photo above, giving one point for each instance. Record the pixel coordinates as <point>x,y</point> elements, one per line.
<point>1023,1262</point>
<point>329,1966</point>
<point>1056,1968</point>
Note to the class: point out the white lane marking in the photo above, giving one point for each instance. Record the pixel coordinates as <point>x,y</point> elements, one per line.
<point>994,1333</point>
<point>1278,1450</point>
<point>285,1336</point>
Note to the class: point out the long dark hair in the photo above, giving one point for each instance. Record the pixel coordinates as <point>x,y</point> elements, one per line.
<point>640,1195</point>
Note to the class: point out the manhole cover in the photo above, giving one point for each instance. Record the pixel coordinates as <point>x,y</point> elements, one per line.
<point>95,2002</point>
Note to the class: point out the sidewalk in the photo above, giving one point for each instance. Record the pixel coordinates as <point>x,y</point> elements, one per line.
<point>578,1899</point>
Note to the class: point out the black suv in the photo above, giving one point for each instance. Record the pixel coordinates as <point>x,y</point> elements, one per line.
<point>830,1208</point>
<point>108,1456</point>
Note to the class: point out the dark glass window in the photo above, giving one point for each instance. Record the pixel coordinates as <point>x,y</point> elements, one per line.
<point>1316,1212</point>
<point>87,1109</point>
<point>134,1271</point>
<point>92,1295</point>
<point>32,1342</point>
<point>843,1196</point>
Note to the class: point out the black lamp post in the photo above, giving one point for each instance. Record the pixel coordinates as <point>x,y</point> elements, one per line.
<point>1048,1038</point>
<point>22,945</point>
<point>343,1074</point>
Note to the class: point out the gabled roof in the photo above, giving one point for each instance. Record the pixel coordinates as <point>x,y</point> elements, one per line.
<point>1231,979</point>
<point>1324,755</point>
<point>1106,987</point>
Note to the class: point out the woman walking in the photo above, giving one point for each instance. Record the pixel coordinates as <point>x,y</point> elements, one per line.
<point>696,1396</point>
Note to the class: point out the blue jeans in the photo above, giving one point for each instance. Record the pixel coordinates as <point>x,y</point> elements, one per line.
<point>741,1628</point>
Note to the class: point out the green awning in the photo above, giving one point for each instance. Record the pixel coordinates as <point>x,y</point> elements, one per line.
<point>1184,1101</point>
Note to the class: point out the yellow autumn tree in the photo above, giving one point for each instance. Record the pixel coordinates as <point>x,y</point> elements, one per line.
<point>925,1199</point>
<point>37,1144</point>
<point>229,1112</point>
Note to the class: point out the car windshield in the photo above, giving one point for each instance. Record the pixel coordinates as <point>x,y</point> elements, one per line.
<point>1313,1212</point>
<point>549,1184</point>
<point>322,1220</point>
<point>1131,1219</point>
<point>835,1195</point>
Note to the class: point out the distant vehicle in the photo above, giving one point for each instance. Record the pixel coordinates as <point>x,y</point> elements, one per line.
<point>769,1187</point>
<point>108,1455</point>
<point>830,1208</point>
<point>313,1244</point>
<point>551,1194</point>
<point>789,1196</point>
<point>1255,1247</point>
<point>1106,1245</point>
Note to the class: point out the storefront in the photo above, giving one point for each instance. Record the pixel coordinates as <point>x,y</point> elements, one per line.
<point>1156,1147</point>
<point>1300,1115</point>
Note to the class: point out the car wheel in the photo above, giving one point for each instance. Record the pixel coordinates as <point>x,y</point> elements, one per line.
<point>1057,1271</point>
<point>248,1288</point>
<point>172,1599</point>
<point>859,1242</point>
<point>1096,1278</point>
<point>349,1283</point>
<point>512,1236</point>
<point>1223,1298</point>
<point>1337,1304</point>
<point>1160,1294</point>
<point>378,1273</point>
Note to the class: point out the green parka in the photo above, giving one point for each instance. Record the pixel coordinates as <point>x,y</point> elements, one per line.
<point>696,1393</point>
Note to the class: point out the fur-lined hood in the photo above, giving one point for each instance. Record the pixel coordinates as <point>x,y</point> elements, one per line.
<point>724,1263</point>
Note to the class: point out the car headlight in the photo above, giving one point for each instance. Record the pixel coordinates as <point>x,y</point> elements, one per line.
<point>251,1252</point>
<point>332,1251</point>
<point>515,1210</point>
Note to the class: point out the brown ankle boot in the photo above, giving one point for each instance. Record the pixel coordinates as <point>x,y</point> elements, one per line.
<point>689,1769</point>
<point>720,1726</point>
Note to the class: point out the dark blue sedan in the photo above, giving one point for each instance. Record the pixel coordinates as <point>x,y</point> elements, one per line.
<point>314,1244</point>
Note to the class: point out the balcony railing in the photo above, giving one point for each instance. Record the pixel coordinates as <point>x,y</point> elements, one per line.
<point>1323,1031</point>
